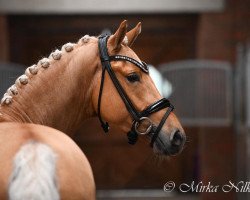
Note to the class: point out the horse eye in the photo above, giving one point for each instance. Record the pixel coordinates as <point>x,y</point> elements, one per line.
<point>133,77</point>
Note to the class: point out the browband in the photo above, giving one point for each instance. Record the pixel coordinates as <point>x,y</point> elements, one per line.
<point>143,66</point>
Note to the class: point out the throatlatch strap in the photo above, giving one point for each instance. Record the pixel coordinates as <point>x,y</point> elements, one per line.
<point>104,125</point>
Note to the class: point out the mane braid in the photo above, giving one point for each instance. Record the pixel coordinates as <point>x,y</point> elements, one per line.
<point>33,70</point>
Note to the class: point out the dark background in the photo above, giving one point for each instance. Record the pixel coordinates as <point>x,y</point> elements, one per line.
<point>210,155</point>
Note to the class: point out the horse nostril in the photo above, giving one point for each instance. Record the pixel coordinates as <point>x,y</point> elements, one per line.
<point>176,138</point>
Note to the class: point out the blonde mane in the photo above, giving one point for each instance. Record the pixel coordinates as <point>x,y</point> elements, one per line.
<point>33,70</point>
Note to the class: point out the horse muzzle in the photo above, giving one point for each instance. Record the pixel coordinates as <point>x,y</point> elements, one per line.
<point>169,143</point>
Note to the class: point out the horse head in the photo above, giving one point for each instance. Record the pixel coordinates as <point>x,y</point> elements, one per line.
<point>126,96</point>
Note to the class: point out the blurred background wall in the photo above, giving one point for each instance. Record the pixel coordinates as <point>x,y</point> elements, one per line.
<point>208,30</point>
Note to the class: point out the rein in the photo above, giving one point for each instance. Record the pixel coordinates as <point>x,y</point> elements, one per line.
<point>137,116</point>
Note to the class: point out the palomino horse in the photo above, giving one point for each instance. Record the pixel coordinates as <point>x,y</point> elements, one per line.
<point>61,91</point>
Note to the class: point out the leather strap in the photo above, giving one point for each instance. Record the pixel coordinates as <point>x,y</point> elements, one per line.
<point>104,125</point>
<point>159,127</point>
<point>155,107</point>
<point>142,65</point>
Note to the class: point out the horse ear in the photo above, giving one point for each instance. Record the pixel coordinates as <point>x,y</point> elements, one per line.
<point>132,34</point>
<point>115,40</point>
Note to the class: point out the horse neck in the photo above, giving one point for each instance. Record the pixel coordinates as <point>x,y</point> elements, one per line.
<point>59,96</point>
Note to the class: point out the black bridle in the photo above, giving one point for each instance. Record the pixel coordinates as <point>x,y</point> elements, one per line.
<point>138,117</point>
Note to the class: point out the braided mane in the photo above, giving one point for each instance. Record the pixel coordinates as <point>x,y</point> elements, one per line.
<point>33,70</point>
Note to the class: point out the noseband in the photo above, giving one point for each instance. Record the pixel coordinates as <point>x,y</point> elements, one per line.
<point>138,117</point>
